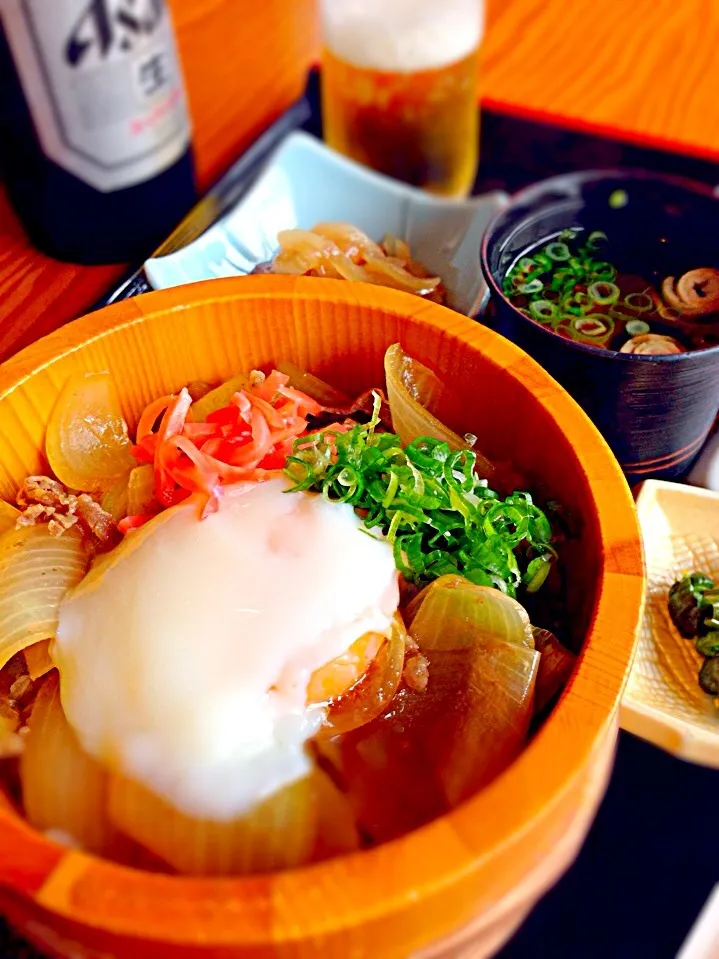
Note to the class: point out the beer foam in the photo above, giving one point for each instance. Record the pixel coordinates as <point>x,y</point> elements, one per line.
<point>402,36</point>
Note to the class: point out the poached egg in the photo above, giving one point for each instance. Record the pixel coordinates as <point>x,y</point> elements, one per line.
<point>185,654</point>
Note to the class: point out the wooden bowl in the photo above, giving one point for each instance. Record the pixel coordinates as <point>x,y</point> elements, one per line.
<point>461,885</point>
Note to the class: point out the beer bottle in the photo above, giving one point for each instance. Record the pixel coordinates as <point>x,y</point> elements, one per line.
<point>94,133</point>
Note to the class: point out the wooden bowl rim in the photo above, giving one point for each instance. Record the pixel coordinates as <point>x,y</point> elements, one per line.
<point>447,850</point>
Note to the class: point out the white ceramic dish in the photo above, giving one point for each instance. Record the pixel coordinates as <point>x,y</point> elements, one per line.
<point>663,702</point>
<point>705,471</point>
<point>305,183</point>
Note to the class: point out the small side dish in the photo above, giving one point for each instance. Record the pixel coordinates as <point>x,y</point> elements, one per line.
<point>277,625</point>
<point>663,702</point>
<point>571,286</point>
<point>341,251</point>
<point>694,609</point>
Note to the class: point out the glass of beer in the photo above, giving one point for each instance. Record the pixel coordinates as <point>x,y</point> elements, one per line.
<point>399,87</point>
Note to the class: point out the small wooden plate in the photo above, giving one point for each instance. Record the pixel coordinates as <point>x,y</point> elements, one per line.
<point>664,703</point>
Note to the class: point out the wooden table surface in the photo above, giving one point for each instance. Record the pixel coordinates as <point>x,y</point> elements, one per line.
<point>642,69</point>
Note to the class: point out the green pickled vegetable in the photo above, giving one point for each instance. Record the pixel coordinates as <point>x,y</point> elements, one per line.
<point>709,676</point>
<point>708,645</point>
<point>687,606</point>
<point>694,609</point>
<point>711,608</point>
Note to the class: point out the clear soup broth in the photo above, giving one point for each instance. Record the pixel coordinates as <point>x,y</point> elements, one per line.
<point>592,289</point>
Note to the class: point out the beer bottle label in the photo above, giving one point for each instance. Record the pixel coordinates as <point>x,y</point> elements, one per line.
<point>103,85</point>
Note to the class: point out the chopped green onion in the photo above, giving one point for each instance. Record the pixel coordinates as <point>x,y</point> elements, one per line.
<point>532,286</point>
<point>527,264</point>
<point>543,309</point>
<point>577,303</point>
<point>594,324</point>
<point>557,251</point>
<point>639,302</point>
<point>618,199</point>
<point>436,513</point>
<point>637,327</point>
<point>536,573</point>
<point>603,292</point>
<point>596,238</point>
<point>601,270</point>
<point>543,260</point>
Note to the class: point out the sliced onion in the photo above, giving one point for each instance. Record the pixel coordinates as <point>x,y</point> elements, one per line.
<point>114,501</point>
<point>350,239</point>
<point>301,251</point>
<point>325,394</point>
<point>335,678</point>
<point>456,616</point>
<point>555,667</point>
<point>141,491</point>
<point>384,271</point>
<point>375,691</point>
<point>290,240</point>
<point>432,749</point>
<point>219,397</point>
<point>348,269</point>
<point>8,516</point>
<point>86,442</point>
<point>477,613</point>
<point>415,393</point>
<point>279,833</point>
<point>11,743</point>
<point>299,262</point>
<point>36,570</point>
<point>38,659</point>
<point>337,832</point>
<point>396,246</point>
<point>63,788</point>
